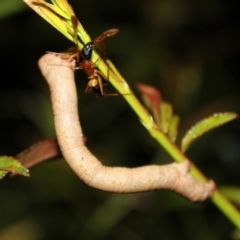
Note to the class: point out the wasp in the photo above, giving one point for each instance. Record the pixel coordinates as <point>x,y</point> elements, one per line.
<point>83,61</point>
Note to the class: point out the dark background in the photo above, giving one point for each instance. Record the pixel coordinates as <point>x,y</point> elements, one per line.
<point>189,50</point>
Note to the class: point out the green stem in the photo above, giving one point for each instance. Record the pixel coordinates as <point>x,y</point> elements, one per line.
<point>218,199</point>
<point>227,208</point>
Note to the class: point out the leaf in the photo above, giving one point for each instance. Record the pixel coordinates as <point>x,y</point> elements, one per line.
<point>162,111</point>
<point>152,100</point>
<point>166,113</point>
<point>204,126</point>
<point>64,6</point>
<point>52,15</point>
<point>173,128</point>
<point>59,15</point>
<point>10,164</point>
<point>2,174</point>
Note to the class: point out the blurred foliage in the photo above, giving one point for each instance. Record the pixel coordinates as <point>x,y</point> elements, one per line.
<point>189,50</point>
<point>10,7</point>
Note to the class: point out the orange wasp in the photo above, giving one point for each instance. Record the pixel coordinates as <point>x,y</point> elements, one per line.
<point>95,84</point>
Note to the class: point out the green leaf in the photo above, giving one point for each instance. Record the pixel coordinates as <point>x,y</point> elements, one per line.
<point>59,15</point>
<point>2,174</point>
<point>52,15</point>
<point>204,126</point>
<point>173,128</point>
<point>166,113</point>
<point>10,164</point>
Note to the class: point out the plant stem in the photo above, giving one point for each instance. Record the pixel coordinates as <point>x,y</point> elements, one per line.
<point>230,211</point>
